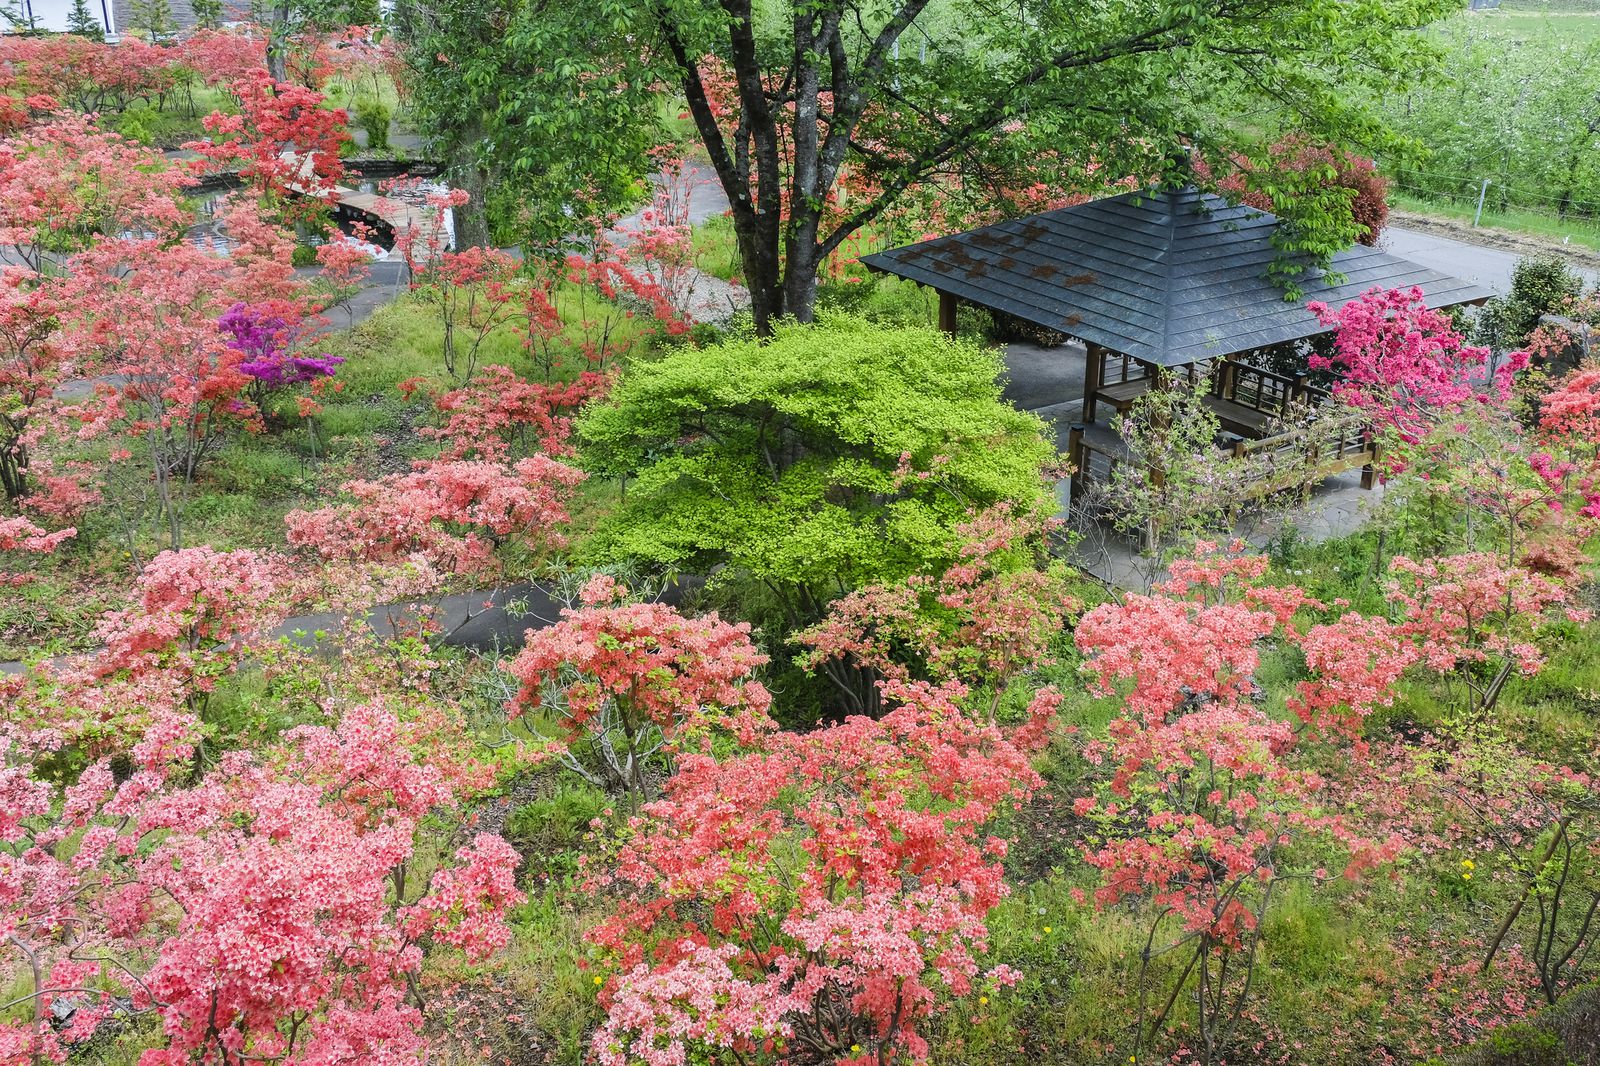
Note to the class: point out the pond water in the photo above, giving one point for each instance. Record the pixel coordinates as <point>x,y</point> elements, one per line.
<point>209,234</point>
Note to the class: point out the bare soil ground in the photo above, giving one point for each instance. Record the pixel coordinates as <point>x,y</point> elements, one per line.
<point>1520,244</point>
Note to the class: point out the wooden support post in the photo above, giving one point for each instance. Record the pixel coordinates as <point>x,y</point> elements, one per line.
<point>947,313</point>
<point>1094,368</point>
<point>1369,473</point>
<point>1075,456</point>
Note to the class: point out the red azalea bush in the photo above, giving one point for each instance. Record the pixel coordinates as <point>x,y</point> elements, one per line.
<point>643,672</point>
<point>820,895</point>
<point>1206,809</point>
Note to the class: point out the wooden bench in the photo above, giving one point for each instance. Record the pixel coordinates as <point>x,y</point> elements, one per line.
<point>1238,418</point>
<point>1122,394</point>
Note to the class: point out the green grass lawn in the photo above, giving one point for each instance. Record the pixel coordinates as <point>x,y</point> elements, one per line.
<point>1580,232</point>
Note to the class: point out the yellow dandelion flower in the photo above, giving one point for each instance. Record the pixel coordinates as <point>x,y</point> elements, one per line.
<point>1047,928</point>
<point>1467,876</point>
<point>983,999</point>
<point>599,980</point>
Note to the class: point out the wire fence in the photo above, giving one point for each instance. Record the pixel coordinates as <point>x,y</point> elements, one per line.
<point>1488,196</point>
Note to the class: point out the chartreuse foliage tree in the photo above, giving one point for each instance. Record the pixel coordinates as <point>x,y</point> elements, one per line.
<point>825,459</point>
<point>793,101</point>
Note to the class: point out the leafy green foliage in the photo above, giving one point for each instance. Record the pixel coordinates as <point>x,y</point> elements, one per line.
<point>828,458</point>
<point>153,18</point>
<point>883,100</point>
<point>1539,286</point>
<point>372,115</point>
<point>542,111</point>
<point>84,24</point>
<point>208,14</point>
<point>1500,113</point>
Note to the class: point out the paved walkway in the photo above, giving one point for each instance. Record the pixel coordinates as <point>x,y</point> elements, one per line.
<point>702,297</point>
<point>1489,267</point>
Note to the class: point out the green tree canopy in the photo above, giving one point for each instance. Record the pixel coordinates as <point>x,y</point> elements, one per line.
<point>1522,112</point>
<point>81,22</point>
<point>825,459</point>
<point>208,14</point>
<point>787,99</point>
<point>544,112</point>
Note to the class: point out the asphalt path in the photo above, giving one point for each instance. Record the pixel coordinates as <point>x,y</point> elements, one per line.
<point>1489,267</point>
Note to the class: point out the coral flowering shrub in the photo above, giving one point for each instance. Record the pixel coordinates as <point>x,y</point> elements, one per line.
<point>281,139</point>
<point>255,911</point>
<point>644,672</point>
<point>68,183</point>
<point>984,621</point>
<point>451,514</point>
<point>1206,809</point>
<point>815,898</point>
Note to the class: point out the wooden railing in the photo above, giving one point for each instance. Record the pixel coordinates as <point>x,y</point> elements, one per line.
<point>1263,389</point>
<point>1091,463</point>
<point>1297,459</point>
<point>1119,368</point>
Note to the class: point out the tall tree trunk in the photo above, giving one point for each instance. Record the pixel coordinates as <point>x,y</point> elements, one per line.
<point>763,266</point>
<point>800,281</point>
<point>278,42</point>
<point>472,218</point>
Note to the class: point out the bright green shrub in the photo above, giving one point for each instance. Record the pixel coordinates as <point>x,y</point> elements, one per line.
<point>780,462</point>
<point>373,116</point>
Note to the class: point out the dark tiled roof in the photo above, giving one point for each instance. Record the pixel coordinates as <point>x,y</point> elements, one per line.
<point>182,14</point>
<point>1170,277</point>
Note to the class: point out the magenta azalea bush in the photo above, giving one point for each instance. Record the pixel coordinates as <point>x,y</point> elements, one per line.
<point>264,339</point>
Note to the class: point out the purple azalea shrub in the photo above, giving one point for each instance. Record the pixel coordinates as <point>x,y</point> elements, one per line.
<point>262,339</point>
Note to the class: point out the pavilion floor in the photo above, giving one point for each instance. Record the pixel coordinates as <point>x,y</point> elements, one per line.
<point>1049,383</point>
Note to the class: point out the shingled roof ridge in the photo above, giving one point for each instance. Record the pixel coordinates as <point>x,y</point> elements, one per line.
<point>1170,256</point>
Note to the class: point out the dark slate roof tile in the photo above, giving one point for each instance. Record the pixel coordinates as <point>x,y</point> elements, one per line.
<point>1171,277</point>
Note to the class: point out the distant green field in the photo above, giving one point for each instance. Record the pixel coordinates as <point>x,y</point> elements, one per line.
<point>1554,7</point>
<point>1573,27</point>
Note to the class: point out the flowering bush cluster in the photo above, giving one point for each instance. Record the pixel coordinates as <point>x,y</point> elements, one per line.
<point>447,517</point>
<point>256,902</point>
<point>1406,365</point>
<point>251,910</point>
<point>645,674</point>
<point>983,622</point>
<point>814,896</point>
<point>264,340</point>
<point>281,140</point>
